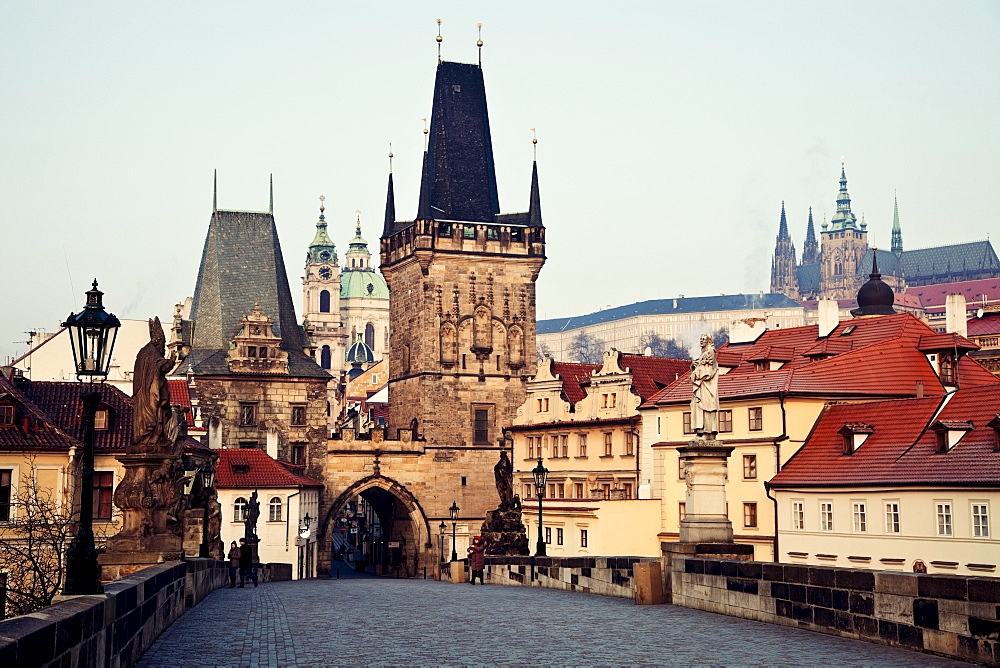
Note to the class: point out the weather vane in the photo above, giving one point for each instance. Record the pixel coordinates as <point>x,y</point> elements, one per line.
<point>479,43</point>
<point>439,39</point>
<point>534,143</point>
<point>322,207</point>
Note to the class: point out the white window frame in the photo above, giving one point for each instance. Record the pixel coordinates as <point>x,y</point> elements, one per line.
<point>859,516</point>
<point>944,514</point>
<point>980,519</point>
<point>273,516</point>
<point>798,514</point>
<point>826,515</point>
<point>892,517</point>
<point>240,509</point>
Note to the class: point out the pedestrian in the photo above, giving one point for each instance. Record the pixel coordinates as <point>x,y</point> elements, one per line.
<point>477,559</point>
<point>246,564</point>
<point>234,563</point>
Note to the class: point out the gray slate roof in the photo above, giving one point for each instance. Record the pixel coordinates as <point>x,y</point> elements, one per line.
<point>669,306</point>
<point>241,265</point>
<point>974,256</point>
<point>808,275</point>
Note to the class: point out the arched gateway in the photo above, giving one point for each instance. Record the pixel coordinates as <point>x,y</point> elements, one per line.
<point>387,528</point>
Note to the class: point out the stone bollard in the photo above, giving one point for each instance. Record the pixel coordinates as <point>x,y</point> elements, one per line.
<point>458,571</point>
<point>648,583</point>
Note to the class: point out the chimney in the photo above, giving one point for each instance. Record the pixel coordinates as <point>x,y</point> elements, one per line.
<point>272,444</point>
<point>920,389</point>
<point>829,315</point>
<point>746,331</point>
<point>955,319</point>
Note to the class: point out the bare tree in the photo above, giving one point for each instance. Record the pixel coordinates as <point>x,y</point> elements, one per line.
<point>32,548</point>
<point>662,347</point>
<point>587,349</point>
<point>543,352</point>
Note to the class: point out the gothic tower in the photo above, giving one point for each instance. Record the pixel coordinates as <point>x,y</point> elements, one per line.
<point>844,244</point>
<point>897,232</point>
<point>810,249</point>
<point>462,279</point>
<point>784,279</point>
<point>321,298</point>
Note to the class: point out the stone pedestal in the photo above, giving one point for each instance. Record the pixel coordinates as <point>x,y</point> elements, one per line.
<point>705,474</point>
<point>504,533</point>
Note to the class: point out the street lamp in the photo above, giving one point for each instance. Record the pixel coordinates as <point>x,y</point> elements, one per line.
<point>92,334</point>
<point>454,520</point>
<point>539,472</point>
<point>441,529</point>
<point>305,529</point>
<point>207,482</point>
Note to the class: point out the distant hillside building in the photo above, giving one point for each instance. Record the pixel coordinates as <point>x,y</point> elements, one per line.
<point>682,320</point>
<point>838,266</point>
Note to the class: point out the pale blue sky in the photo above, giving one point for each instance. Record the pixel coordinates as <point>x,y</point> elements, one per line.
<point>669,133</point>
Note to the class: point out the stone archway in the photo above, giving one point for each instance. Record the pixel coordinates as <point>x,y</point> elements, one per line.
<point>401,524</point>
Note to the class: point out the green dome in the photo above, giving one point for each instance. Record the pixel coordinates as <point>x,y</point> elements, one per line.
<point>356,284</point>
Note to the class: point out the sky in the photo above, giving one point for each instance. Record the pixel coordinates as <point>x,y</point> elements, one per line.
<point>668,133</point>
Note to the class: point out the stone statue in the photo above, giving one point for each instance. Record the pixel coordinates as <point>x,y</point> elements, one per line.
<point>252,512</point>
<point>503,472</point>
<point>705,390</point>
<point>152,416</point>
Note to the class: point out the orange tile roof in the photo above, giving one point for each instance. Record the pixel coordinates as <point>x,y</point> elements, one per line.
<point>652,374</point>
<point>573,377</point>
<point>902,450</point>
<point>262,471</point>
<point>874,357</point>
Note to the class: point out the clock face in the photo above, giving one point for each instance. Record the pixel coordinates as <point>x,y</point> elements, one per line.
<point>325,273</point>
<point>325,256</point>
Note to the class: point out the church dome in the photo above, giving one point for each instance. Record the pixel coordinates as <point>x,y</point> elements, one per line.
<point>360,353</point>
<point>363,284</point>
<point>874,297</point>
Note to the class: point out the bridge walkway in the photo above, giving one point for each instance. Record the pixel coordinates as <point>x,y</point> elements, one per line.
<point>363,620</point>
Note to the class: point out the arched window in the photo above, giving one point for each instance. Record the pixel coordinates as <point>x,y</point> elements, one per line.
<point>239,509</point>
<point>324,357</point>
<point>370,336</point>
<point>274,509</point>
<point>324,301</point>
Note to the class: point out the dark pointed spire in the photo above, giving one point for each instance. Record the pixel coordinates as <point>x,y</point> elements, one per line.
<point>390,206</point>
<point>424,205</point>
<point>460,178</point>
<point>215,190</point>
<point>535,201</point>
<point>783,234</point>
<point>270,207</point>
<point>897,232</point>
<point>810,249</point>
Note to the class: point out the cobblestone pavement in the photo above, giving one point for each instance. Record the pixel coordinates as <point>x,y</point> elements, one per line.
<point>365,621</point>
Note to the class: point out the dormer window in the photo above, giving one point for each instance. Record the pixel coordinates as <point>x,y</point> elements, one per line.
<point>994,424</point>
<point>949,369</point>
<point>847,330</point>
<point>854,434</point>
<point>101,419</point>
<point>760,366</point>
<point>6,415</point>
<point>949,432</point>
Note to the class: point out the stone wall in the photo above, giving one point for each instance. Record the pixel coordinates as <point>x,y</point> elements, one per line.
<point>608,576</point>
<point>955,616</point>
<point>111,629</point>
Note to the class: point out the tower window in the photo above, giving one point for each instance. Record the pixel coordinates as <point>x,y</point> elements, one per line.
<point>324,302</point>
<point>325,357</point>
<point>370,335</point>
<point>481,418</point>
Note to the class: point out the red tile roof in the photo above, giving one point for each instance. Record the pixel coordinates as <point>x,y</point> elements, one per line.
<point>262,471</point>
<point>903,448</point>
<point>942,341</point>
<point>988,324</point>
<point>573,378</point>
<point>934,296</point>
<point>882,360</point>
<point>32,428</point>
<point>652,374</point>
<point>180,394</point>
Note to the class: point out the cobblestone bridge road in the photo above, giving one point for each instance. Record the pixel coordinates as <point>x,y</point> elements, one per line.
<point>423,622</point>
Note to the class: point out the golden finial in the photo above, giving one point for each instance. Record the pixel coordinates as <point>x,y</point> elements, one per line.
<point>534,142</point>
<point>426,131</point>
<point>322,207</point>
<point>357,212</point>
<point>390,157</point>
<point>479,42</point>
<point>439,39</point>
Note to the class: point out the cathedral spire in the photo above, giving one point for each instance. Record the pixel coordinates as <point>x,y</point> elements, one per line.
<point>810,249</point>
<point>390,205</point>
<point>897,232</point>
<point>843,219</point>
<point>270,208</point>
<point>535,205</point>
<point>215,190</point>
<point>783,234</point>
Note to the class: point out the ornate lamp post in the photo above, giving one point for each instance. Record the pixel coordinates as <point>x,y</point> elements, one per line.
<point>454,521</point>
<point>540,472</point>
<point>92,334</point>
<point>441,529</point>
<point>207,482</point>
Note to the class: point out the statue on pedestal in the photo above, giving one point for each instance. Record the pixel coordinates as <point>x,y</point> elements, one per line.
<point>153,418</point>
<point>705,390</point>
<point>503,530</point>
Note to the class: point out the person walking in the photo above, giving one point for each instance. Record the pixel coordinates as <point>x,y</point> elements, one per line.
<point>246,564</point>
<point>477,559</point>
<point>234,563</point>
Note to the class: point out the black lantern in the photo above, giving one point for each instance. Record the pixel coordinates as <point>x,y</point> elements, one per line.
<point>454,522</point>
<point>539,473</point>
<point>305,529</point>
<point>92,334</point>
<point>207,474</point>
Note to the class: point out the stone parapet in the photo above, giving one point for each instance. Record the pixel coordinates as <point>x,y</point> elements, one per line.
<point>953,616</point>
<point>608,576</point>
